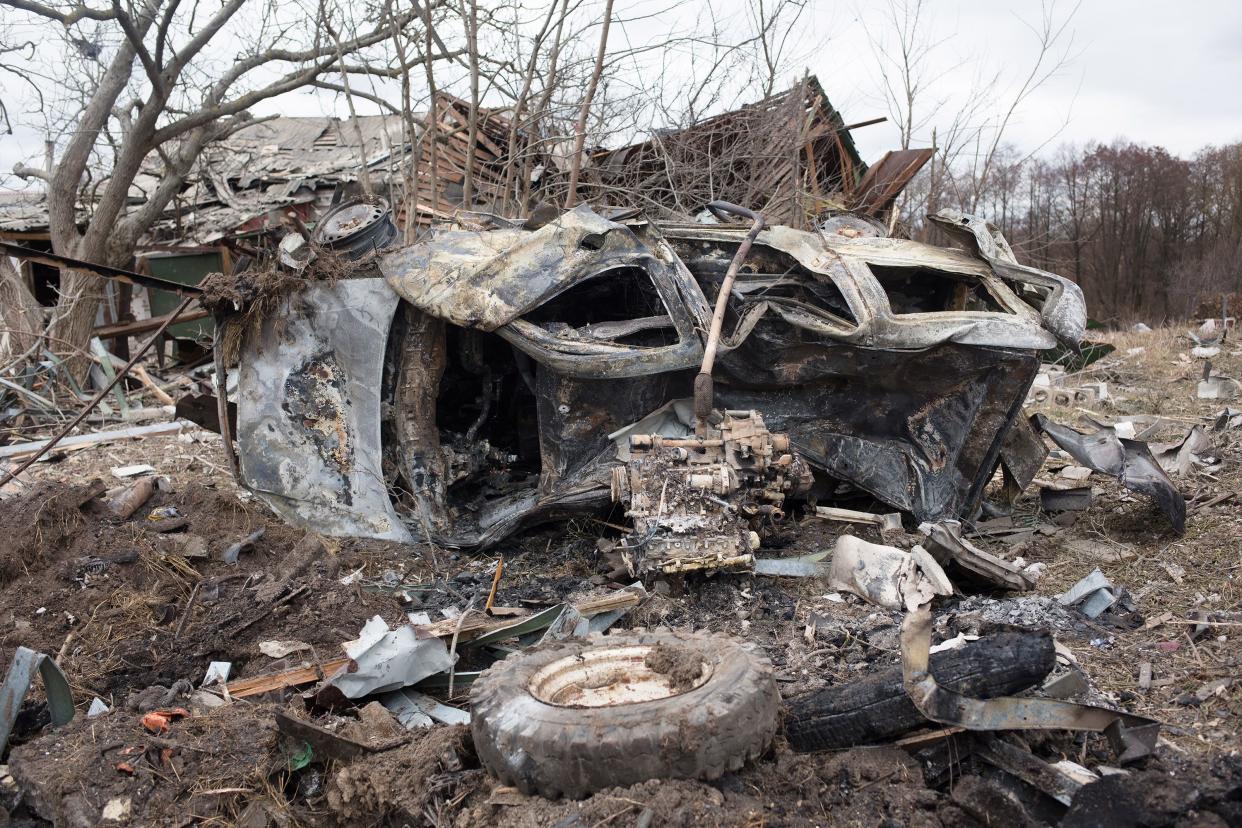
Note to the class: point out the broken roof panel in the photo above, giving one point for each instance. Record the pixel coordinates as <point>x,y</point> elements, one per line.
<point>789,155</point>
<point>885,180</point>
<point>22,213</point>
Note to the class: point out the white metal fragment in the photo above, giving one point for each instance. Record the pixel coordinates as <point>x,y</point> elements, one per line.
<point>122,472</point>
<point>414,709</point>
<point>885,575</point>
<point>390,659</point>
<point>217,673</point>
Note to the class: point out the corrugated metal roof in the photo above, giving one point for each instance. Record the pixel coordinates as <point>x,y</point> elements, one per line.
<point>22,213</point>
<point>263,167</point>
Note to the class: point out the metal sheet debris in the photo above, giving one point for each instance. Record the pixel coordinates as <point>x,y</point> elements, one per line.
<point>1190,454</point>
<point>1129,461</point>
<point>414,709</point>
<point>1095,592</point>
<point>389,660</point>
<point>308,409</point>
<point>805,566</point>
<point>22,669</point>
<point>217,673</point>
<point>950,549</point>
<point>884,575</point>
<point>885,523</point>
<point>1077,499</point>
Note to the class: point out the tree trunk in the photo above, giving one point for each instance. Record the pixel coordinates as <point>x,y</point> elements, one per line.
<point>575,162</point>
<point>21,318</point>
<point>74,320</point>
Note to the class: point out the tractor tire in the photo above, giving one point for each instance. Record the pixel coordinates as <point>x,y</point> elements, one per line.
<point>576,717</point>
<point>877,709</point>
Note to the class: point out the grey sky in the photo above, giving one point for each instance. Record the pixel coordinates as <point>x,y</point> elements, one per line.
<point>1138,69</point>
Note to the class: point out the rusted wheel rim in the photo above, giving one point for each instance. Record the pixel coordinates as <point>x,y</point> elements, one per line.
<point>608,676</point>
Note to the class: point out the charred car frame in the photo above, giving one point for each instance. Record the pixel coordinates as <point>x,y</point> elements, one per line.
<point>482,380</point>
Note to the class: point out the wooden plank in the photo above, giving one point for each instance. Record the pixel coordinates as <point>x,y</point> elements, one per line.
<point>145,379</point>
<point>145,325</point>
<point>287,678</point>
<point>464,120</point>
<point>18,450</point>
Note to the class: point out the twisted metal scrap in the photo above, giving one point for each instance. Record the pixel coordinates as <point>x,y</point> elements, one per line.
<point>17,682</point>
<point>1132,737</point>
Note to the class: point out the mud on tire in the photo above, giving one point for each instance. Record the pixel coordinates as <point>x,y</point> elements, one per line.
<point>553,749</point>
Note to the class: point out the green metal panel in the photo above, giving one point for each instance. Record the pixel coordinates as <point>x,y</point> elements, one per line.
<point>188,269</point>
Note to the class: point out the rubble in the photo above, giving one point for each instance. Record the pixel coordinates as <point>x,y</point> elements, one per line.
<point>645,425</point>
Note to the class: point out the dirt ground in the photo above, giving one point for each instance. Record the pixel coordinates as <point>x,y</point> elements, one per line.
<point>126,608</point>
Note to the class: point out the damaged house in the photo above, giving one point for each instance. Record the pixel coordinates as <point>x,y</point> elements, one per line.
<point>254,185</point>
<point>790,155</point>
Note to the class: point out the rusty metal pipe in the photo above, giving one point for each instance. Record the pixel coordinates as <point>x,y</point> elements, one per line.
<point>703,389</point>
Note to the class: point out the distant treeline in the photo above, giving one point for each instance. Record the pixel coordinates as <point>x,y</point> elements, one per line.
<point>1149,236</point>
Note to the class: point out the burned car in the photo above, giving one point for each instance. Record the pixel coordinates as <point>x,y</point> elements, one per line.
<point>483,380</point>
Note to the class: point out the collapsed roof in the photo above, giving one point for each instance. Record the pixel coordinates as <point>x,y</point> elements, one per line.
<point>790,154</point>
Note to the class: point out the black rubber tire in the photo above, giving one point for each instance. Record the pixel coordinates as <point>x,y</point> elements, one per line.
<point>877,709</point>
<point>552,751</point>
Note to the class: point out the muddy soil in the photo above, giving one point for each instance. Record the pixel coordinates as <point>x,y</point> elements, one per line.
<point>680,667</point>
<point>127,609</point>
<point>112,765</point>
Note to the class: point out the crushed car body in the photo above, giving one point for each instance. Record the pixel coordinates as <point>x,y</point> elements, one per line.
<point>484,379</point>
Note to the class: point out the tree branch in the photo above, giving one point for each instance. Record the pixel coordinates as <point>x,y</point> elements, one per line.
<point>127,26</point>
<point>79,12</point>
<point>366,96</point>
<point>23,171</point>
<point>324,57</point>
<point>161,32</point>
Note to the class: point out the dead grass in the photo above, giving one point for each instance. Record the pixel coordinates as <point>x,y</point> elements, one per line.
<point>95,649</point>
<point>1160,379</point>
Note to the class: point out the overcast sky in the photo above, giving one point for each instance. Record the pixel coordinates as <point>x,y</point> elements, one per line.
<point>1143,70</point>
<point>1136,69</point>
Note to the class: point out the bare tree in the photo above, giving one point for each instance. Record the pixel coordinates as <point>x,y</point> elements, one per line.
<point>167,82</point>
<point>1054,39</point>
<point>575,160</point>
<point>470,14</point>
<point>969,136</point>
<point>21,317</point>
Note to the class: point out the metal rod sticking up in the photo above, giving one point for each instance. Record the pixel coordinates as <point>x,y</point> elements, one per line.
<point>704,393</point>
